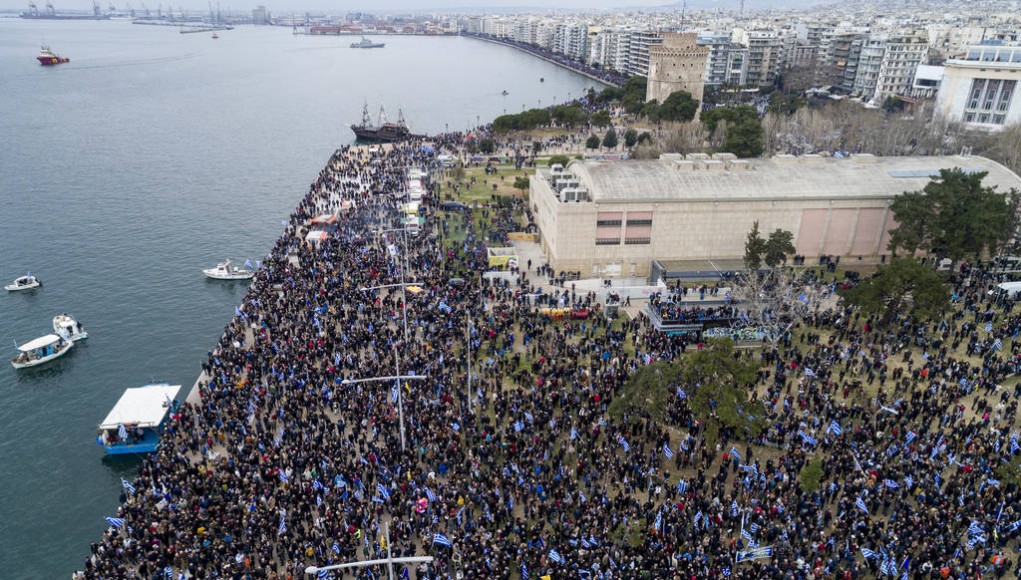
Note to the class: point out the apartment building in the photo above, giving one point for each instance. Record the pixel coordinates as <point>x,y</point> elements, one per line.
<point>901,57</point>
<point>980,87</point>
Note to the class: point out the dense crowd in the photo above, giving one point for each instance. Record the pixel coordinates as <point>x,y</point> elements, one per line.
<point>507,464</point>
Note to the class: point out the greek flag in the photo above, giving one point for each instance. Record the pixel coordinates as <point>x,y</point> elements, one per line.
<point>429,494</point>
<point>667,451</point>
<point>115,522</point>
<point>1014,446</point>
<point>754,528</point>
<point>975,528</point>
<point>283,477</point>
<point>623,442</point>
<point>127,486</point>
<point>530,418</point>
<point>734,508</point>
<point>524,571</point>
<point>809,372</point>
<point>891,483</point>
<point>441,540</point>
<point>746,534</point>
<point>755,554</point>
<point>122,432</point>
<point>911,436</point>
<point>323,574</point>
<point>518,426</point>
<point>395,393</point>
<point>989,327</point>
<point>248,264</point>
<point>977,539</point>
<point>1014,526</point>
<point>574,433</point>
<point>803,298</point>
<point>867,553</point>
<point>998,344</point>
<point>682,486</point>
<point>383,490</point>
<point>835,428</point>
<point>735,453</point>
<point>585,543</point>
<point>860,504</point>
<point>909,481</point>
<point>283,523</point>
<point>443,307</point>
<point>168,572</point>
<point>241,315</point>
<point>555,556</point>
<point>658,524</point>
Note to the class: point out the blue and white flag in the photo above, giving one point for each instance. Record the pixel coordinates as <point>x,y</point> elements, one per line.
<point>734,509</point>
<point>441,540</point>
<point>910,437</point>
<point>336,547</point>
<point>755,554</point>
<point>168,572</point>
<point>430,495</point>
<point>624,443</point>
<point>667,451</point>
<point>122,432</point>
<point>283,477</point>
<point>869,554</point>
<point>891,483</point>
<point>248,264</point>
<point>997,344</point>
<point>682,486</point>
<point>524,571</point>
<point>555,556</point>
<point>909,481</point>
<point>127,486</point>
<point>658,524</point>
<point>115,522</point>
<point>809,372</point>
<point>860,504</point>
<point>989,327</point>
<point>383,490</point>
<point>734,453</point>
<point>395,393</point>
<point>283,523</point>
<point>574,433</point>
<point>834,428</point>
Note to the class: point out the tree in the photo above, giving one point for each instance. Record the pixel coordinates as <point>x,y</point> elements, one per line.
<point>905,287</point>
<point>679,106</point>
<point>953,216</point>
<point>558,160</point>
<point>754,248</point>
<point>644,137</point>
<point>592,142</point>
<point>718,381</point>
<point>487,146</point>
<point>811,476</point>
<point>778,247</point>
<point>570,115</point>
<point>773,302</point>
<point>630,138</point>
<point>610,139</point>
<point>648,392</point>
<point>536,147</point>
<point>744,139</point>
<point>600,118</point>
<point>521,183</point>
<point>732,115</point>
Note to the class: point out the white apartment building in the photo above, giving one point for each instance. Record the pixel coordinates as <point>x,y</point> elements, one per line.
<point>901,58</point>
<point>979,88</point>
<point>765,55</point>
<point>870,60</point>
<point>727,63</point>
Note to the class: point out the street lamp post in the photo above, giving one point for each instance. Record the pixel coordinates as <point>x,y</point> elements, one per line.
<point>389,561</point>
<point>400,396</point>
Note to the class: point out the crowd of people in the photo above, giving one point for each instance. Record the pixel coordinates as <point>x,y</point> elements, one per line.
<point>497,454</point>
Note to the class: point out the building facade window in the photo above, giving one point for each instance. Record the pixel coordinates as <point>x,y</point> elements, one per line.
<point>989,96</point>
<point>607,241</point>
<point>637,241</point>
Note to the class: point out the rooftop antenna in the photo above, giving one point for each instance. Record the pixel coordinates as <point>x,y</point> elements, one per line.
<point>742,7</point>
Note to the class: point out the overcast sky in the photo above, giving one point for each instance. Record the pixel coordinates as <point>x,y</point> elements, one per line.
<point>339,7</point>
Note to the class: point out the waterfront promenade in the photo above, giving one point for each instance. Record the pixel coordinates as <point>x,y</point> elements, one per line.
<point>521,471</point>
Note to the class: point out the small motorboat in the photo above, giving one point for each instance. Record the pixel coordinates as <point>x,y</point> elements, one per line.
<point>41,350</point>
<point>542,79</point>
<point>68,328</point>
<point>26,282</point>
<point>225,271</point>
<point>215,36</point>
<point>135,423</point>
<point>505,93</point>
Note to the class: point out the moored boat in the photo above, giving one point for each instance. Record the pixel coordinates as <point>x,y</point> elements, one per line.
<point>26,282</point>
<point>135,423</point>
<point>41,350</point>
<point>47,57</point>
<point>366,43</point>
<point>68,328</point>
<point>384,131</point>
<point>225,271</point>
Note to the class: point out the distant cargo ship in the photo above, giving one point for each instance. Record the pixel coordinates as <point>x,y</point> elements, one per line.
<point>48,58</point>
<point>366,43</point>
<point>384,131</point>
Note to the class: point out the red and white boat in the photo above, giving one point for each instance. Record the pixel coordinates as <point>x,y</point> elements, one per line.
<point>47,57</point>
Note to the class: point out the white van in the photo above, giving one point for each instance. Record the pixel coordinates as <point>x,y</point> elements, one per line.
<point>1008,289</point>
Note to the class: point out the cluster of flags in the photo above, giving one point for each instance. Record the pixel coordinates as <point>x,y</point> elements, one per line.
<point>755,554</point>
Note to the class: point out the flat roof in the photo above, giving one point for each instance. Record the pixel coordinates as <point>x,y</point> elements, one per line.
<point>39,342</point>
<point>781,177</point>
<point>141,406</point>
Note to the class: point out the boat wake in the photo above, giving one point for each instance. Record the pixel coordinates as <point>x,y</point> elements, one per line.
<point>144,62</point>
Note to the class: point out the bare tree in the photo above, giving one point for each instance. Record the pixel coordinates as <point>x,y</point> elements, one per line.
<point>772,302</point>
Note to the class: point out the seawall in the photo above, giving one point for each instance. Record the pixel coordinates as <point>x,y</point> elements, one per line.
<point>547,59</point>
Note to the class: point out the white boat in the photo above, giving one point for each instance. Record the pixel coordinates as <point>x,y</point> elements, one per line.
<point>41,350</point>
<point>68,328</point>
<point>225,271</point>
<point>26,282</point>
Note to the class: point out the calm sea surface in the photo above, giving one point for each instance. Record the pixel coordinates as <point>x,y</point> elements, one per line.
<point>151,155</point>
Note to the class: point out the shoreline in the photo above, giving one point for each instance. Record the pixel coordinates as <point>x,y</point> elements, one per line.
<point>540,57</point>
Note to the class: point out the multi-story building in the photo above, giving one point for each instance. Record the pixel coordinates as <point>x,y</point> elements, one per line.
<point>901,57</point>
<point>727,61</point>
<point>679,64</point>
<point>765,55</point>
<point>870,60</point>
<point>979,88</point>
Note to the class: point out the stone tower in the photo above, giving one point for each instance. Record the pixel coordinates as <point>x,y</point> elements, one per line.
<point>678,64</point>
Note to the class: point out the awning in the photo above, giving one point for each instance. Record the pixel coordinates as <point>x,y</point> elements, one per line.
<point>39,342</point>
<point>141,406</point>
<point>316,236</point>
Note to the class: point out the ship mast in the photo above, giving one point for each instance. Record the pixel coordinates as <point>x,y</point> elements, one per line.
<point>366,119</point>
<point>400,117</point>
<point>382,116</point>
